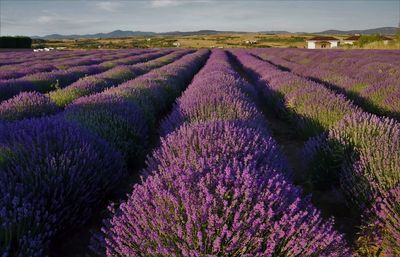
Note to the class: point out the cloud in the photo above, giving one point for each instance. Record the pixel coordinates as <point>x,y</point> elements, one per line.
<point>169,3</point>
<point>164,3</point>
<point>108,6</point>
<point>44,19</point>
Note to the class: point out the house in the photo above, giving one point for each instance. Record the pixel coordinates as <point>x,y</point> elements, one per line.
<point>250,42</point>
<point>320,42</point>
<point>177,44</point>
<point>351,40</point>
<point>386,40</point>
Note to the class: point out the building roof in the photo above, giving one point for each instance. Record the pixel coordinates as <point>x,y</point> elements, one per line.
<point>322,38</point>
<point>355,38</point>
<point>385,38</point>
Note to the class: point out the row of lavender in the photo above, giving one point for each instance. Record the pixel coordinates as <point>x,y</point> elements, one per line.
<point>359,153</point>
<point>372,79</point>
<point>15,58</point>
<point>10,58</point>
<point>218,185</point>
<point>48,81</point>
<point>67,61</point>
<point>56,170</point>
<point>34,104</point>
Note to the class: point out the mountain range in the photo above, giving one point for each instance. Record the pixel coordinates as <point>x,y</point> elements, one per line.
<point>128,33</point>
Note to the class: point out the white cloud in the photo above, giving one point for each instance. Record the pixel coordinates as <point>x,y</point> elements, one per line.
<point>164,3</point>
<point>109,6</point>
<point>169,3</point>
<point>44,19</point>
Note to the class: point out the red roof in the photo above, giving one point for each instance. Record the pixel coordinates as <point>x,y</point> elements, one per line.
<point>355,38</point>
<point>385,38</point>
<point>358,37</point>
<point>322,38</point>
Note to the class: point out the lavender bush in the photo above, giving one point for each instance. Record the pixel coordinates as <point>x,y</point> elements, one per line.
<point>52,175</point>
<point>116,120</point>
<point>365,151</point>
<point>26,105</point>
<point>216,93</point>
<point>387,210</point>
<point>216,204</point>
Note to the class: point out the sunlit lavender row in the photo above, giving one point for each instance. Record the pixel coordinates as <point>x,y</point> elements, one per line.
<point>370,78</point>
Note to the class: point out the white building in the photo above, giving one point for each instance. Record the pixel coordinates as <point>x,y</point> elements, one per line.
<point>353,39</point>
<point>250,42</point>
<point>386,40</point>
<point>321,42</point>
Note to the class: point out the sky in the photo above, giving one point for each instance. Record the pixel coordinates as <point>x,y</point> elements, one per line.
<point>43,17</point>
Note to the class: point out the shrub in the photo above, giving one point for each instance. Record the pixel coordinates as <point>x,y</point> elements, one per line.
<point>52,175</point>
<point>26,105</point>
<point>82,87</point>
<point>387,210</point>
<point>366,154</point>
<point>216,93</point>
<point>114,119</point>
<point>232,204</point>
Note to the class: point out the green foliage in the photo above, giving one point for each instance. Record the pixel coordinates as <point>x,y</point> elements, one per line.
<point>292,39</point>
<point>325,168</point>
<point>366,39</point>
<point>15,42</point>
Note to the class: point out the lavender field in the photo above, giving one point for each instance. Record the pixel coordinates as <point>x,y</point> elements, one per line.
<point>184,152</point>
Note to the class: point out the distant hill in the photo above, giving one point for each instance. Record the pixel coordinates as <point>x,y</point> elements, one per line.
<point>113,34</point>
<point>275,32</point>
<point>381,31</point>
<point>199,32</point>
<point>128,33</point>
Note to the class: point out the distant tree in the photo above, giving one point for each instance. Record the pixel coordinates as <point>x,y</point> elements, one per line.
<point>366,39</point>
<point>15,42</point>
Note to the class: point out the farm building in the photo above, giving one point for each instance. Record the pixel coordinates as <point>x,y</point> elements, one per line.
<point>250,42</point>
<point>386,40</point>
<point>351,40</point>
<point>322,42</point>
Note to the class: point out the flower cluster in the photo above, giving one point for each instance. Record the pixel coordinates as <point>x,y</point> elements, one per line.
<point>28,104</point>
<point>52,174</point>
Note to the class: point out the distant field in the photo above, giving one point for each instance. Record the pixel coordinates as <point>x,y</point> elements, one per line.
<point>199,41</point>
